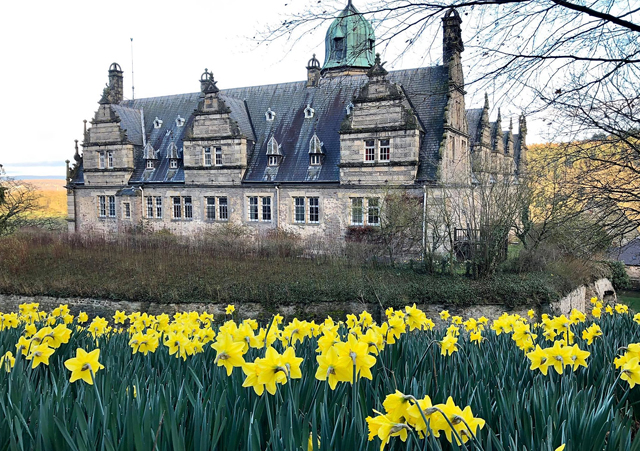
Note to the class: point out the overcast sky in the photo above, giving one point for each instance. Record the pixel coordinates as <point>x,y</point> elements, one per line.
<point>55,58</point>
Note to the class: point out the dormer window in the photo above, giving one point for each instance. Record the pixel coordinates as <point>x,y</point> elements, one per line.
<point>173,164</point>
<point>274,152</point>
<point>349,108</point>
<point>157,123</point>
<point>309,112</point>
<point>270,115</point>
<point>180,121</point>
<point>315,151</point>
<point>150,164</point>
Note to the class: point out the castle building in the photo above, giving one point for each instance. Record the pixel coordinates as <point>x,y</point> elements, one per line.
<point>311,157</point>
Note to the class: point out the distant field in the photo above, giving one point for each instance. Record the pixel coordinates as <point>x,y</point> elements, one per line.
<point>54,196</point>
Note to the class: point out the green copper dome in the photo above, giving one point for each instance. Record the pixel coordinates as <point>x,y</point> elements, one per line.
<point>350,41</point>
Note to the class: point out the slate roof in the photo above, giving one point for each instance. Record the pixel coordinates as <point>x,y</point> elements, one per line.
<point>426,89</point>
<point>474,117</point>
<point>629,254</point>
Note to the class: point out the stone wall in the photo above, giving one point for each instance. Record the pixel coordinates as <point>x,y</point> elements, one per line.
<point>578,299</point>
<point>334,208</point>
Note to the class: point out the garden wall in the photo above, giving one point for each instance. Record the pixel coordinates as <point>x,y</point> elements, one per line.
<point>578,299</point>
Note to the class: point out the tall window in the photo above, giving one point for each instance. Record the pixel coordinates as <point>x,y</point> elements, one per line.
<point>314,210</point>
<point>112,206</point>
<point>373,211</point>
<point>110,159</point>
<point>385,150</point>
<point>356,211</point>
<point>101,158</point>
<point>149,207</point>
<point>188,208</point>
<point>218,156</point>
<point>370,150</point>
<point>126,210</point>
<point>306,210</point>
<point>223,209</point>
<point>299,215</point>
<point>158,207</point>
<point>253,208</point>
<point>102,206</point>
<point>207,156</point>
<point>211,208</point>
<point>177,207</point>
<point>266,209</point>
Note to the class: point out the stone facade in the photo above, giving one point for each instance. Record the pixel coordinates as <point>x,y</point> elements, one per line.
<point>314,157</point>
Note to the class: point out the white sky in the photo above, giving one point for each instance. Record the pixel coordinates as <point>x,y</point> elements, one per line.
<point>56,54</point>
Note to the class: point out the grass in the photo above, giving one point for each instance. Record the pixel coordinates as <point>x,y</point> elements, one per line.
<point>631,298</point>
<point>271,272</point>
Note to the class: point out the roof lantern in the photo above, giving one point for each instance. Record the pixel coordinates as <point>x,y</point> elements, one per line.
<point>350,41</point>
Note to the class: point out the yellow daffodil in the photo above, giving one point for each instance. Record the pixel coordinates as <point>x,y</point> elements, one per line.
<point>40,354</point>
<point>7,361</point>
<point>83,364</point>
<point>230,309</point>
<point>631,372</point>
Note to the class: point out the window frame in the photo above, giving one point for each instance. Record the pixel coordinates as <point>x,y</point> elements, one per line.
<point>252,212</point>
<point>173,163</point>
<point>369,211</point>
<point>112,206</point>
<point>223,208</point>
<point>126,210</point>
<point>150,209</point>
<point>370,150</point>
<point>218,156</point>
<point>176,203</point>
<point>210,208</point>
<point>158,206</point>
<point>101,160</point>
<point>102,206</point>
<point>355,208</point>
<point>373,211</point>
<point>299,210</point>
<point>266,209</point>
<point>207,158</point>
<point>315,159</point>
<point>109,159</point>
<point>151,164</point>
<point>187,201</point>
<point>384,150</point>
<point>314,209</point>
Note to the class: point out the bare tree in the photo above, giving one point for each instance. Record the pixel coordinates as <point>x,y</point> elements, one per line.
<point>18,203</point>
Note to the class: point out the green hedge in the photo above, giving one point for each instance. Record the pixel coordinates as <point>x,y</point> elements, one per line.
<point>173,273</point>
